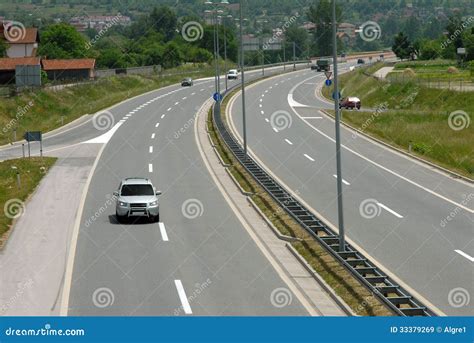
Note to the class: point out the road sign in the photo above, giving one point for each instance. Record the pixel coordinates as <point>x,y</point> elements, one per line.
<point>328,74</point>
<point>334,95</point>
<point>328,82</point>
<point>217,97</point>
<point>32,136</point>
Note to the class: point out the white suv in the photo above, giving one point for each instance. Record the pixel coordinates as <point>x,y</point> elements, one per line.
<point>233,74</point>
<point>136,197</point>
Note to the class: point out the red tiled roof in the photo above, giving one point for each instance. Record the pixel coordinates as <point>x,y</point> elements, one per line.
<point>83,63</point>
<point>11,63</point>
<point>30,36</point>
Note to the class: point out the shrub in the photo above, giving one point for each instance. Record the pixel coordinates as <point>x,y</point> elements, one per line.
<point>453,70</point>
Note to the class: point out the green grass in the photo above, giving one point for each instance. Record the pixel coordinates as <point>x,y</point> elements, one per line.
<point>31,172</point>
<point>45,110</point>
<point>417,115</point>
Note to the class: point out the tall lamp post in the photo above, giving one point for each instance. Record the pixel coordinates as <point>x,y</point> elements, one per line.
<point>242,75</point>
<point>225,48</point>
<point>342,242</point>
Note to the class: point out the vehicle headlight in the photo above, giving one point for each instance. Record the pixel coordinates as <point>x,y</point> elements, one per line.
<point>124,204</point>
<point>153,203</point>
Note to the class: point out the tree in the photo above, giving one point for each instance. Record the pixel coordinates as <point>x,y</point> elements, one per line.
<point>402,46</point>
<point>430,50</point>
<point>321,15</point>
<point>62,41</point>
<point>299,36</point>
<point>164,20</point>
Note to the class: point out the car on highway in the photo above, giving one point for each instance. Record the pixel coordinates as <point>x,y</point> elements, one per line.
<point>233,74</point>
<point>137,197</point>
<point>187,82</point>
<point>350,102</point>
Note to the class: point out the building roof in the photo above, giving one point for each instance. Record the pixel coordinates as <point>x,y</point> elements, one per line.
<point>11,63</point>
<point>83,63</point>
<point>27,36</point>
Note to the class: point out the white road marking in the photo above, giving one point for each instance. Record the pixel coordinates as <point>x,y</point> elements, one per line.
<point>157,124</point>
<point>129,115</point>
<point>263,95</point>
<point>260,105</point>
<point>389,210</point>
<point>202,89</point>
<point>261,100</point>
<point>266,91</point>
<point>169,109</point>
<point>266,119</point>
<point>164,235</point>
<point>152,136</point>
<point>162,116</point>
<point>184,97</point>
<point>183,297</point>
<point>463,254</point>
<point>176,103</point>
<point>150,168</point>
<point>275,129</point>
<point>312,117</point>
<point>104,138</point>
<point>309,157</point>
<point>193,93</point>
<point>343,181</point>
<point>288,141</point>
<point>262,112</point>
<point>150,149</point>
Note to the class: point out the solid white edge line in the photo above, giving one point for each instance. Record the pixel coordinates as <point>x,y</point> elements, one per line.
<point>390,210</point>
<point>463,254</point>
<point>312,117</point>
<point>150,168</point>
<point>164,235</point>
<point>182,297</point>
<point>309,157</point>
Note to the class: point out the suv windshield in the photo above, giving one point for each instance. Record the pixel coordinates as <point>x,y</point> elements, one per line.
<point>131,190</point>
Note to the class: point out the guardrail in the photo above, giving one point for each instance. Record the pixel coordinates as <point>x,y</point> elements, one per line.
<point>394,296</point>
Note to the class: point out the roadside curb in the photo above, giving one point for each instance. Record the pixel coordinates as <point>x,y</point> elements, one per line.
<point>270,224</point>
<point>321,281</point>
<point>244,192</point>
<point>221,161</point>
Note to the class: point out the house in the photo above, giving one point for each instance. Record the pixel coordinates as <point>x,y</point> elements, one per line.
<point>8,67</point>
<point>99,22</point>
<point>347,28</point>
<point>73,69</point>
<point>22,42</point>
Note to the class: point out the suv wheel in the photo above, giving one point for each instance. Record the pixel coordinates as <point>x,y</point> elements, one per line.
<point>120,219</point>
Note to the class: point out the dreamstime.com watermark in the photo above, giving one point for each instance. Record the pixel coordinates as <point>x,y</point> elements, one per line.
<point>464,25</point>
<point>377,112</point>
<point>22,287</point>
<point>101,210</point>
<point>45,331</point>
<point>279,32</point>
<point>20,113</point>
<point>103,31</point>
<point>456,210</point>
<point>199,288</point>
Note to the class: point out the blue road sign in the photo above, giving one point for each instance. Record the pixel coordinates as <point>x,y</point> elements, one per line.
<point>334,95</point>
<point>328,83</point>
<point>217,97</point>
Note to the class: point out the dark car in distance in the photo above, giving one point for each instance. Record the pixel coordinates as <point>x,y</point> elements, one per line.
<point>350,102</point>
<point>187,82</point>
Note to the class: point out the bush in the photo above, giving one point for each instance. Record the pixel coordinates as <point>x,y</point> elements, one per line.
<point>453,70</point>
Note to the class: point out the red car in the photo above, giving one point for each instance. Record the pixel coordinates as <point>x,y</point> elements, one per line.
<point>350,102</point>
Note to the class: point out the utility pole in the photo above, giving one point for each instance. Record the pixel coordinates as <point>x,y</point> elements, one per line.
<point>242,75</point>
<point>284,55</point>
<point>294,56</point>
<point>342,242</point>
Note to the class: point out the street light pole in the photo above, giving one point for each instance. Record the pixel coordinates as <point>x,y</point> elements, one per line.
<point>225,55</point>
<point>242,76</point>
<point>342,243</point>
<point>294,56</point>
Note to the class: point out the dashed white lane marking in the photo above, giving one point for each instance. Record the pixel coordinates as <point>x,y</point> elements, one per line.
<point>169,109</point>
<point>309,157</point>
<point>202,89</point>
<point>343,181</point>
<point>260,105</point>
<point>312,117</point>
<point>150,168</point>
<point>266,119</point>
<point>184,97</point>
<point>261,100</point>
<point>288,141</point>
<point>275,129</point>
<point>389,210</point>
<point>162,116</point>
<point>157,124</point>
<point>262,112</point>
<point>150,149</point>
<point>193,93</point>
<point>176,103</point>
<point>152,136</point>
<point>129,115</point>
<point>164,235</point>
<point>463,254</point>
<point>183,297</point>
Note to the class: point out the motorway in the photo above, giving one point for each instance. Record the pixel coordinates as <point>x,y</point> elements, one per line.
<point>416,222</point>
<point>199,259</point>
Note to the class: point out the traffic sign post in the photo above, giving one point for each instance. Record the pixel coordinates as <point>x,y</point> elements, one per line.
<point>328,74</point>
<point>217,97</point>
<point>34,136</point>
<point>328,82</point>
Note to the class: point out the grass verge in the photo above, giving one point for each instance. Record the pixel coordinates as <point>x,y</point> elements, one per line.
<point>344,284</point>
<point>45,109</point>
<point>12,198</point>
<point>416,115</point>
